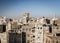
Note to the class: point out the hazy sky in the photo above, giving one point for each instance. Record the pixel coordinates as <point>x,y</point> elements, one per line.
<point>36,8</point>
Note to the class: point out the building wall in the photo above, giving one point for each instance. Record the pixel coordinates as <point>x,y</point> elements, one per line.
<point>30,30</point>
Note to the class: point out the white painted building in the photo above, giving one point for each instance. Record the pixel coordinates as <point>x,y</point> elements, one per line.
<point>39,34</point>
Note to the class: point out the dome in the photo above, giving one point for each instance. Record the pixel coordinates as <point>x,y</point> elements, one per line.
<point>55,18</point>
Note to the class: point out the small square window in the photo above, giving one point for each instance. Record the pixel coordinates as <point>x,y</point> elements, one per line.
<point>38,37</point>
<point>33,28</point>
<point>56,41</point>
<point>28,35</point>
<point>33,36</point>
<point>58,34</point>
<point>40,27</point>
<point>40,32</point>
<point>33,31</point>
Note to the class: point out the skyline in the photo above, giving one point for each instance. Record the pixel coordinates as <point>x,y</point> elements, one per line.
<point>36,8</point>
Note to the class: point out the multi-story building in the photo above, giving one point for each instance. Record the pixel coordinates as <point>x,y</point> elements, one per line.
<point>29,30</point>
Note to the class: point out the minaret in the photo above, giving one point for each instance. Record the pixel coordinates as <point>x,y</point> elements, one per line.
<point>4,19</point>
<point>54,20</point>
<point>26,15</point>
<point>25,18</point>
